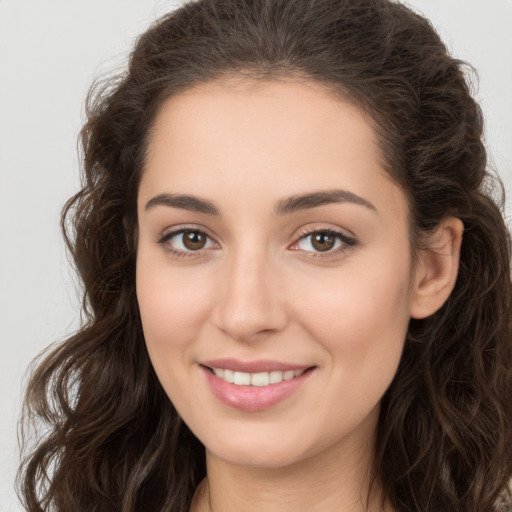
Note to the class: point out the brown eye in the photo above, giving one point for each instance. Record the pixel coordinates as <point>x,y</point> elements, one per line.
<point>323,241</point>
<point>186,241</point>
<point>194,240</point>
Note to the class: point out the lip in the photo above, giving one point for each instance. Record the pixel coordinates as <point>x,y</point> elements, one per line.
<point>253,398</point>
<point>262,365</point>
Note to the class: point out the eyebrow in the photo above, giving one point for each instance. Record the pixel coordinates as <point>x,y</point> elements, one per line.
<point>183,201</point>
<point>311,200</point>
<point>283,207</point>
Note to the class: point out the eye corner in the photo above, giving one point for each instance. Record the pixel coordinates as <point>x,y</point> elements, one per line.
<point>193,248</point>
<point>337,242</point>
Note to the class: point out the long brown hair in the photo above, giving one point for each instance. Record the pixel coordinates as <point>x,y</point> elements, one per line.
<point>110,438</point>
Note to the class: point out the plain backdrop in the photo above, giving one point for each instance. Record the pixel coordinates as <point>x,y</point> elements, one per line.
<point>50,51</point>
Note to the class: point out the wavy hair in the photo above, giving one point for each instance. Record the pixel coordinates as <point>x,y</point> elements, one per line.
<point>112,440</point>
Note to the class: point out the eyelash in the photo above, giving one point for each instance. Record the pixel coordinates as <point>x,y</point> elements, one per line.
<point>178,252</point>
<point>346,242</point>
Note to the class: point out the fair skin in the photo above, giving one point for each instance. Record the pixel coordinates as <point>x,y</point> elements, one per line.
<point>263,282</point>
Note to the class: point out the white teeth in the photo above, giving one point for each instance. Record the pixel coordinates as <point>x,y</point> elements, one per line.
<point>260,379</point>
<point>275,377</point>
<point>242,379</point>
<point>256,379</point>
<point>229,376</point>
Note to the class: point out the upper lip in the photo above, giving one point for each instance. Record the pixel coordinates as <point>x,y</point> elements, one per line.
<point>262,365</point>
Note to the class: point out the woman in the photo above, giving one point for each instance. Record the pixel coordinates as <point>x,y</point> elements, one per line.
<point>297,284</point>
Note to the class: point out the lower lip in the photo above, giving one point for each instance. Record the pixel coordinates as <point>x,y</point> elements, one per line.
<point>254,398</point>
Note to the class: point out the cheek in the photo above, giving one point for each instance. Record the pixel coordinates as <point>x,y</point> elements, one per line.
<point>360,314</point>
<point>360,318</point>
<point>173,307</point>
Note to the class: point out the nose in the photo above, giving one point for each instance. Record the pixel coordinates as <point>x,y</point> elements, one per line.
<point>250,301</point>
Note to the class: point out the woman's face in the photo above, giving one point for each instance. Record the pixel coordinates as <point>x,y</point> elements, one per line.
<point>274,272</point>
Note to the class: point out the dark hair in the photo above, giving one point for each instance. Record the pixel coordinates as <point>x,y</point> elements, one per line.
<point>444,440</point>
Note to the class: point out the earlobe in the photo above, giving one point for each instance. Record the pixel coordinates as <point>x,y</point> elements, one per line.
<point>437,268</point>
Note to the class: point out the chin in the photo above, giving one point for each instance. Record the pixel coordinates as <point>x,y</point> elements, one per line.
<point>260,450</point>
<point>263,457</point>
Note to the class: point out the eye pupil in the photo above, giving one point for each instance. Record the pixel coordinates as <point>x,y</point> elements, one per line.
<point>193,240</point>
<point>323,241</point>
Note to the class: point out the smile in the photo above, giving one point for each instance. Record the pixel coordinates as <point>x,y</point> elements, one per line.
<point>255,379</point>
<point>254,386</point>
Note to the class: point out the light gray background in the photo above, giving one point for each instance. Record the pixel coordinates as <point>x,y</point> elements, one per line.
<point>49,53</point>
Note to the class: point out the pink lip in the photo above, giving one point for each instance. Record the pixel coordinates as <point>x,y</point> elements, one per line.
<point>263,365</point>
<point>253,398</point>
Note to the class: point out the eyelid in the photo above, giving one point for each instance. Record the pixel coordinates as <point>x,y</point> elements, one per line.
<point>169,233</point>
<point>348,241</point>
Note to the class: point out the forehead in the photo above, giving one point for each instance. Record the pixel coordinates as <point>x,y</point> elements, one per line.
<point>279,137</point>
<point>284,110</point>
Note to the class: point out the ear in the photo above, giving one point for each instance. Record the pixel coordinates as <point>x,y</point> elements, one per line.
<point>436,268</point>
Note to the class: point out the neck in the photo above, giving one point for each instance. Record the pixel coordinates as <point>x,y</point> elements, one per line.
<point>330,481</point>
